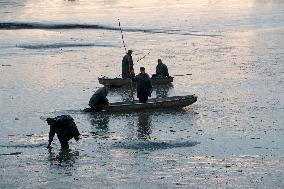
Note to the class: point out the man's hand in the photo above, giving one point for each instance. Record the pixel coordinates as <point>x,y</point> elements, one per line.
<point>108,106</point>
<point>76,138</point>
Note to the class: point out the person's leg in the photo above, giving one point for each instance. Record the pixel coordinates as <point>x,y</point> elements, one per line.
<point>146,99</point>
<point>64,144</point>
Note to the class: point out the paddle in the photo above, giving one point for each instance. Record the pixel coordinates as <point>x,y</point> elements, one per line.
<point>181,75</point>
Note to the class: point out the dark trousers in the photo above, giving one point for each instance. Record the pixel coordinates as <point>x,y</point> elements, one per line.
<point>64,143</point>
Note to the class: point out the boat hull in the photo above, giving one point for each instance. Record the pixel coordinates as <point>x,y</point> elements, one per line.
<point>118,82</point>
<point>174,102</point>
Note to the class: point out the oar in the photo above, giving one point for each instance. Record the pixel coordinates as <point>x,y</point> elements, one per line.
<point>181,75</point>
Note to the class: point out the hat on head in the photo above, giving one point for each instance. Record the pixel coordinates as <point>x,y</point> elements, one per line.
<point>130,51</point>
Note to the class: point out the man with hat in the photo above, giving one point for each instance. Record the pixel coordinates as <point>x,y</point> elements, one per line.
<point>127,65</point>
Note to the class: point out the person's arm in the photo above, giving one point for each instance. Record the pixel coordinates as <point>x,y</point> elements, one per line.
<point>76,134</point>
<point>105,100</point>
<point>134,79</point>
<point>76,138</point>
<point>157,70</point>
<point>150,88</point>
<point>130,62</point>
<point>160,70</point>
<point>74,131</point>
<point>166,71</point>
<point>51,135</point>
<point>124,60</point>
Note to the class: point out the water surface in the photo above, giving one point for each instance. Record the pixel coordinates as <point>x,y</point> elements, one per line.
<point>228,53</point>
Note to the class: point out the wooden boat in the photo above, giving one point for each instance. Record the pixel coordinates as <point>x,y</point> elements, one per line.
<point>118,82</point>
<point>174,102</point>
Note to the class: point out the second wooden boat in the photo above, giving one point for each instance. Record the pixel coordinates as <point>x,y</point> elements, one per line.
<point>118,82</point>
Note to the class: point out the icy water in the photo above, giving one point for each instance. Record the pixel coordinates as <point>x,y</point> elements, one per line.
<point>229,53</point>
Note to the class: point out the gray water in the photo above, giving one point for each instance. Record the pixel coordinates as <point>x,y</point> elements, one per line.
<point>228,53</point>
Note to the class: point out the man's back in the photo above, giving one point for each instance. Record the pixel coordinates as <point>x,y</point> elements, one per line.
<point>99,99</point>
<point>65,128</point>
<point>144,85</point>
<point>162,70</point>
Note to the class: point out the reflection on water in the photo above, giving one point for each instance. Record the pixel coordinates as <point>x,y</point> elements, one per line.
<point>127,93</point>
<point>139,125</point>
<point>162,91</point>
<point>99,122</point>
<point>65,157</point>
<point>144,126</point>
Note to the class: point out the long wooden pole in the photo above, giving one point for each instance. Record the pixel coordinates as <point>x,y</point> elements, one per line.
<point>122,36</point>
<point>143,57</point>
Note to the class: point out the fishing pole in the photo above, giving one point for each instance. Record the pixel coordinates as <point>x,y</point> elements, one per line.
<point>121,35</point>
<point>142,57</point>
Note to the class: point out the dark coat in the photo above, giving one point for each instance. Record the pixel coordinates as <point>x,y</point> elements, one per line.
<point>162,70</point>
<point>99,99</point>
<point>144,85</point>
<point>127,64</point>
<point>65,128</point>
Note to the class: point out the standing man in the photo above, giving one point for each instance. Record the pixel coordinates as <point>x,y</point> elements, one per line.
<point>144,85</point>
<point>65,128</point>
<point>161,70</point>
<point>127,65</point>
<point>99,99</point>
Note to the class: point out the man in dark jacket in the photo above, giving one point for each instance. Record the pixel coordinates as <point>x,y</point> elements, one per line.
<point>99,99</point>
<point>161,70</point>
<point>65,128</point>
<point>144,85</point>
<point>127,65</point>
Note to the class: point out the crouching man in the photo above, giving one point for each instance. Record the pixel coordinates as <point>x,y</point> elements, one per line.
<point>65,128</point>
<point>99,99</point>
